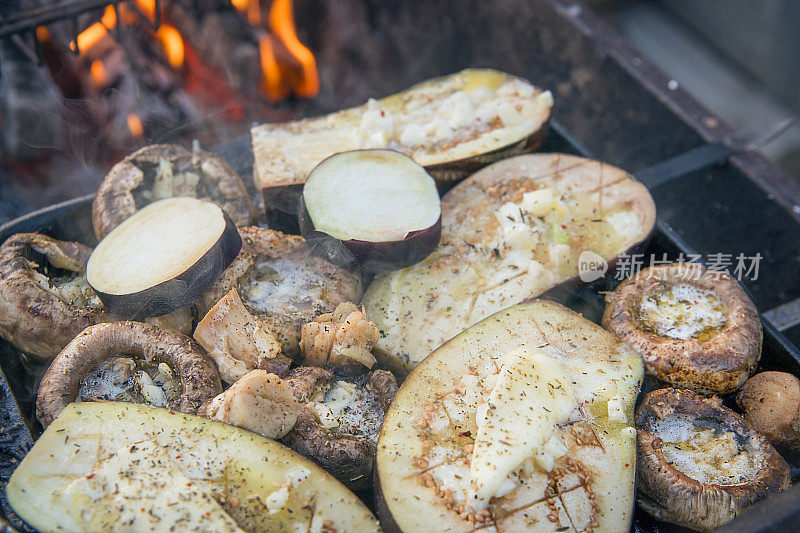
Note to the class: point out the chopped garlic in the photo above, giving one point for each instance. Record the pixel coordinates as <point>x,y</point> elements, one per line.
<point>152,393</point>
<point>616,409</point>
<point>326,416</point>
<point>277,500</point>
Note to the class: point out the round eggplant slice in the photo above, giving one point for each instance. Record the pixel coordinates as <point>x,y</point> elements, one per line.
<point>695,328</point>
<point>163,257</point>
<point>45,299</point>
<point>196,377</point>
<point>770,402</point>
<point>377,207</point>
<point>699,463</point>
<point>164,171</point>
<point>520,423</point>
<point>283,284</point>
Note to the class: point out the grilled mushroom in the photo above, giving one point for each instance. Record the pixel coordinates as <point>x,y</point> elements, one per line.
<point>339,431</point>
<point>333,422</point>
<point>195,373</point>
<point>699,463</point>
<point>44,298</point>
<point>770,401</point>
<point>165,171</point>
<point>283,284</point>
<point>695,328</point>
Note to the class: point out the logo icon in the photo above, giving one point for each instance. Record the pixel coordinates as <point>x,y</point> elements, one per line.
<point>591,266</point>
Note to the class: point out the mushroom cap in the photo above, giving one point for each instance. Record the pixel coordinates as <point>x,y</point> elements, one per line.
<point>770,402</point>
<point>300,286</point>
<point>195,371</point>
<point>718,362</point>
<point>349,457</point>
<point>33,317</point>
<point>119,192</point>
<point>669,494</point>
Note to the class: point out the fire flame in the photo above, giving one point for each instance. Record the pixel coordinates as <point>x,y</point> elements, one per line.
<point>287,65</point>
<point>97,73</point>
<point>95,33</point>
<point>281,22</point>
<point>172,42</point>
<point>135,125</point>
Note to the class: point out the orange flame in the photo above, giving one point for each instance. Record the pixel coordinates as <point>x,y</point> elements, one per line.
<point>97,73</point>
<point>171,40</point>
<point>135,125</point>
<point>95,33</point>
<point>281,22</point>
<point>42,34</point>
<point>272,83</point>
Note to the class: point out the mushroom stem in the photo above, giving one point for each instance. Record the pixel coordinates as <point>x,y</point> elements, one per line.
<point>196,373</point>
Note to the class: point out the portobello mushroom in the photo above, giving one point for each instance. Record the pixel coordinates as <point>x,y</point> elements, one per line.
<point>376,208</point>
<point>334,422</point>
<point>699,464</point>
<point>511,231</point>
<point>283,284</point>
<point>162,171</point>
<point>696,329</point>
<point>452,126</point>
<point>770,402</point>
<point>520,423</point>
<point>339,427</point>
<point>196,376</point>
<point>108,466</point>
<point>163,257</point>
<point>45,300</point>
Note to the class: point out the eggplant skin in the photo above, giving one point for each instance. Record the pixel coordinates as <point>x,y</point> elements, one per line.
<point>371,256</point>
<point>32,318</point>
<point>717,365</point>
<point>670,495</point>
<point>116,198</point>
<point>183,289</point>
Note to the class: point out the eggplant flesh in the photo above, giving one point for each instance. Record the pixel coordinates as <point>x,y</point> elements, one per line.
<point>105,465</point>
<point>451,125</point>
<point>441,444</point>
<point>510,232</point>
<point>163,257</point>
<point>377,207</point>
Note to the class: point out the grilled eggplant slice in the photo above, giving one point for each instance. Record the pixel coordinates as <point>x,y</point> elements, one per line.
<point>283,284</point>
<point>164,171</point>
<point>102,465</point>
<point>163,257</point>
<point>699,463</point>
<point>509,232</point>
<point>44,298</point>
<point>695,328</point>
<point>452,126</point>
<point>522,422</point>
<point>377,208</point>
